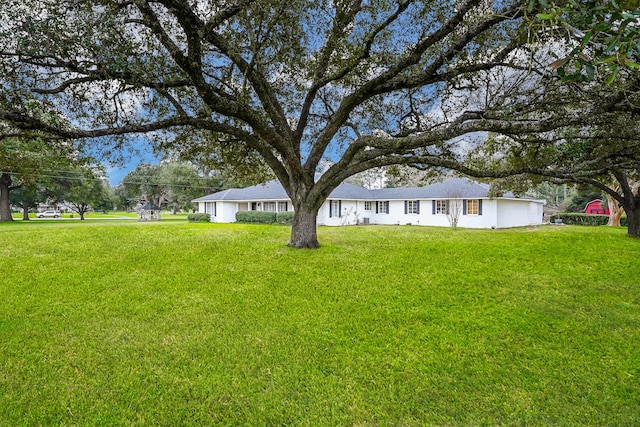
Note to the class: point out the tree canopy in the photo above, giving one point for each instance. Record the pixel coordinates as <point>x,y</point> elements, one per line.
<point>25,161</point>
<point>169,185</point>
<point>287,84</point>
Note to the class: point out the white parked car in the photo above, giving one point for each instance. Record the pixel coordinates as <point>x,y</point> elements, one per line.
<point>48,214</point>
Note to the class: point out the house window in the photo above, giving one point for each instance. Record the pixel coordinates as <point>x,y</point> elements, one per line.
<point>282,206</point>
<point>382,207</point>
<point>367,205</point>
<point>412,206</point>
<point>210,208</point>
<point>269,206</point>
<point>254,206</point>
<point>472,207</point>
<point>440,207</point>
<point>335,206</point>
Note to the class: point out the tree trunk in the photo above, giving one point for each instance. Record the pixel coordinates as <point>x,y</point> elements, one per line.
<point>25,212</point>
<point>633,221</point>
<point>615,211</point>
<point>5,205</point>
<point>303,232</point>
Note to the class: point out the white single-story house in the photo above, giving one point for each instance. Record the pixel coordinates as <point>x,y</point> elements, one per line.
<point>349,204</point>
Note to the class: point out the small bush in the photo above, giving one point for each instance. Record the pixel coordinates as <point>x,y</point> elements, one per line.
<point>199,217</point>
<point>285,218</point>
<point>256,217</point>
<point>584,219</point>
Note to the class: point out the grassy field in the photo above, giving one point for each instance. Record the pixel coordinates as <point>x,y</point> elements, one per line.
<point>166,216</point>
<point>126,323</point>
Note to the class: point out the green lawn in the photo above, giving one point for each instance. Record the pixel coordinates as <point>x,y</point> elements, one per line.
<point>166,215</point>
<point>127,323</point>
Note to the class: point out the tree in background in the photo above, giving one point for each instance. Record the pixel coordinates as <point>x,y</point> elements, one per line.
<point>27,196</point>
<point>169,184</point>
<point>556,195</point>
<point>83,188</point>
<point>141,184</point>
<point>370,179</point>
<point>181,184</point>
<point>25,161</point>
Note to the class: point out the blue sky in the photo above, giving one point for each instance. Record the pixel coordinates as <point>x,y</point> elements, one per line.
<point>142,153</point>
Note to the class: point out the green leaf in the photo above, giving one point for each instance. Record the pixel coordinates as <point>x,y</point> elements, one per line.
<point>614,73</point>
<point>632,64</point>
<point>602,26</point>
<point>545,16</point>
<point>590,70</point>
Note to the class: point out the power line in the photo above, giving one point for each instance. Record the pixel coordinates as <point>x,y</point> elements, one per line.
<point>78,177</point>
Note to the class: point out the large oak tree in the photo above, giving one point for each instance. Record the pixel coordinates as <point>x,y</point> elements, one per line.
<point>364,83</point>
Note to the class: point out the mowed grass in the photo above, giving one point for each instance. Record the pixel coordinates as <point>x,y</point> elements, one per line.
<point>166,215</point>
<point>123,323</point>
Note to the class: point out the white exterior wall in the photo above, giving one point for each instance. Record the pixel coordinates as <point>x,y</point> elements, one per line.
<point>208,207</point>
<point>536,213</point>
<point>514,213</point>
<point>486,220</point>
<point>426,216</point>
<point>225,211</point>
<point>496,213</point>
<point>349,214</point>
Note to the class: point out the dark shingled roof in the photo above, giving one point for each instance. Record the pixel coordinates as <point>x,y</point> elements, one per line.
<point>271,190</point>
<point>149,207</point>
<point>448,189</point>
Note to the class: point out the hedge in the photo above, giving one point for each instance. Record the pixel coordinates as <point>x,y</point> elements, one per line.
<point>256,217</point>
<point>285,218</point>
<point>199,217</point>
<point>584,219</point>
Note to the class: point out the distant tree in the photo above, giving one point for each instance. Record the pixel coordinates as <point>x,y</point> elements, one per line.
<point>555,195</point>
<point>142,183</point>
<point>26,160</point>
<point>169,184</point>
<point>372,178</point>
<point>406,176</point>
<point>123,199</point>
<point>181,184</point>
<point>27,196</point>
<point>83,188</point>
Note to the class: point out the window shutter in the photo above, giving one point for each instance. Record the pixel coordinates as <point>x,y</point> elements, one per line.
<point>405,207</point>
<point>480,207</point>
<point>377,209</point>
<point>330,209</point>
<point>215,209</point>
<point>433,207</point>
<point>339,208</point>
<point>446,209</point>
<point>464,207</point>
<point>418,207</point>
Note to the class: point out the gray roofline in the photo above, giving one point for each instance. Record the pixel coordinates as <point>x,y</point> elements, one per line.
<point>347,191</point>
